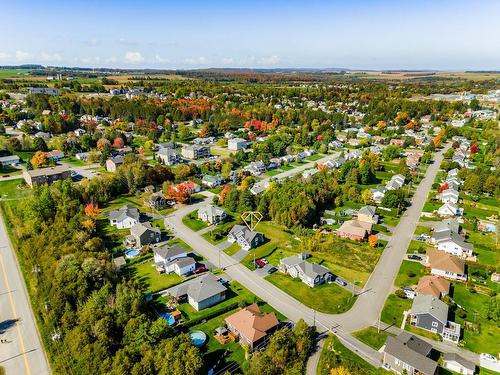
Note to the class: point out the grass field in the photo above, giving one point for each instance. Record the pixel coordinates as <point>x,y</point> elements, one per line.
<point>334,354</point>
<point>409,273</point>
<point>327,298</point>
<point>371,337</point>
<point>394,307</point>
<point>13,189</point>
<point>15,73</point>
<point>151,278</point>
<point>191,221</point>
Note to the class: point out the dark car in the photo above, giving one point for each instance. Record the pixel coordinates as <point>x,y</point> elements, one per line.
<point>341,282</point>
<point>272,270</point>
<point>414,257</point>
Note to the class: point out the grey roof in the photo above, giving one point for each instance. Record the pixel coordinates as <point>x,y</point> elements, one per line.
<point>140,228</point>
<point>427,304</point>
<point>210,178</point>
<point>182,262</point>
<point>199,288</point>
<point>367,210</point>
<point>211,211</point>
<point>291,260</point>
<point>123,212</point>
<point>9,158</point>
<point>462,361</point>
<point>410,350</point>
<point>118,159</point>
<point>47,171</point>
<point>313,269</point>
<point>248,234</point>
<point>170,251</point>
<point>448,224</point>
<point>120,261</point>
<point>167,152</point>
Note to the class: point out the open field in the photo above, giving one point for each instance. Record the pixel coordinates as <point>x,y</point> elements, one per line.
<point>394,307</point>
<point>123,78</point>
<point>371,337</point>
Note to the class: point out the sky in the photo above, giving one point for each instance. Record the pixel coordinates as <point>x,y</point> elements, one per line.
<point>356,34</point>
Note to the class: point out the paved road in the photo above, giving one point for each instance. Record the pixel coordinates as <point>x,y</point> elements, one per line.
<point>23,353</point>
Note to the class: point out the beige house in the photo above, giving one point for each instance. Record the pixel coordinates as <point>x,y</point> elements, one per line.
<point>46,175</point>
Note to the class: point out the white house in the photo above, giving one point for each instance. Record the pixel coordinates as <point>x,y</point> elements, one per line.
<point>455,245</point>
<point>235,144</point>
<point>211,214</point>
<point>448,209</point>
<point>173,259</point>
<point>449,196</point>
<point>396,182</point>
<point>124,218</point>
<point>456,363</point>
<point>311,274</point>
<point>378,194</point>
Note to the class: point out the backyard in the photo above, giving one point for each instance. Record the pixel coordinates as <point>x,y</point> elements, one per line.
<point>191,221</point>
<point>371,337</point>
<point>151,278</point>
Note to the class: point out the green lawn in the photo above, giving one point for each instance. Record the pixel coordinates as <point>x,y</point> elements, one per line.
<point>178,241</point>
<point>10,171</point>
<point>232,249</point>
<point>74,161</point>
<point>380,229</point>
<point>371,337</point>
<point>485,247</point>
<point>417,247</point>
<point>422,230</point>
<point>113,237</point>
<point>13,189</point>
<point>394,307</point>
<point>315,157</point>
<point>409,273</point>
<point>151,278</point>
<point>191,221</point>
<point>334,354</point>
<point>287,167</point>
<point>327,298</point>
<point>274,172</point>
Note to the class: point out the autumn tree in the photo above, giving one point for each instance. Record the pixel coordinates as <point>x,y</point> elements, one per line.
<point>102,144</point>
<point>372,240</point>
<point>91,210</point>
<point>40,159</point>
<point>118,142</point>
<point>340,370</point>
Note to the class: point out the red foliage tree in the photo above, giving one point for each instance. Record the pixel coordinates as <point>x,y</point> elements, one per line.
<point>473,149</point>
<point>118,142</point>
<point>91,210</point>
<point>443,187</point>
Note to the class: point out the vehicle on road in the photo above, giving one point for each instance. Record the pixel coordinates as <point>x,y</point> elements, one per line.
<point>488,357</point>
<point>261,262</point>
<point>272,270</point>
<point>414,257</point>
<point>340,281</point>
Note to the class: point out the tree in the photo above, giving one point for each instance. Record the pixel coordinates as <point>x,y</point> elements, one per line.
<point>393,198</point>
<point>39,144</point>
<point>226,170</point>
<point>91,210</point>
<point>490,185</point>
<point>472,184</point>
<point>103,144</point>
<point>403,169</point>
<point>340,370</point>
<point>118,142</point>
<point>366,196</point>
<point>372,240</point>
<point>40,159</point>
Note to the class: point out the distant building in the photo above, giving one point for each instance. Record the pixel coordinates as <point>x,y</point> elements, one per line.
<point>311,274</point>
<point>367,214</point>
<point>124,218</point>
<point>168,156</point>
<point>143,234</point>
<point>194,152</point>
<point>46,175</point>
<point>55,155</point>
<point>354,230</point>
<point>43,91</point>
<point>113,163</point>
<point>10,160</point>
<point>211,214</point>
<point>246,238</point>
<point>456,363</point>
<point>212,181</point>
<point>235,144</point>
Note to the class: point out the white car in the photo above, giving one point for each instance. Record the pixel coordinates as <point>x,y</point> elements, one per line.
<point>488,357</point>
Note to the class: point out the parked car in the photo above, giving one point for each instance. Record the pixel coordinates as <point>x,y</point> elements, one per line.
<point>264,260</point>
<point>488,357</point>
<point>260,262</point>
<point>340,281</point>
<point>201,269</point>
<point>256,264</point>
<point>272,270</point>
<point>414,257</point>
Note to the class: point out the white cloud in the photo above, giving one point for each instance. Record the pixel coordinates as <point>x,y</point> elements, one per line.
<point>269,60</point>
<point>4,56</point>
<point>134,57</point>
<point>227,60</point>
<point>111,60</point>
<point>22,56</point>
<point>196,61</point>
<point>50,57</point>
<point>160,59</point>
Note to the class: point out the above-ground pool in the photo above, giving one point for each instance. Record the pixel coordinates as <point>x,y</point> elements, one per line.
<point>132,253</point>
<point>198,338</point>
<point>169,318</point>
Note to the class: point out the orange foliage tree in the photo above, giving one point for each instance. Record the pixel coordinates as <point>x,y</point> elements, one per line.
<point>40,159</point>
<point>118,142</point>
<point>91,210</point>
<point>372,240</point>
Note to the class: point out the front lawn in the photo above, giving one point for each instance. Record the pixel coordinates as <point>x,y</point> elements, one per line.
<point>394,307</point>
<point>273,172</point>
<point>334,354</point>
<point>315,157</point>
<point>327,298</point>
<point>192,222</point>
<point>371,337</point>
<point>151,278</point>
<point>13,189</point>
<point>409,273</point>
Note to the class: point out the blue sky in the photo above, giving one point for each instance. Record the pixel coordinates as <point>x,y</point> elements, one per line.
<point>363,34</point>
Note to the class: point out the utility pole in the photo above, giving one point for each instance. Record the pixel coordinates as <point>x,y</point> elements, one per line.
<point>219,258</point>
<point>254,264</point>
<point>314,318</point>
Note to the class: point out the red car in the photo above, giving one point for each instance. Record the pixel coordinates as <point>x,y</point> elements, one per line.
<point>201,269</point>
<point>260,262</point>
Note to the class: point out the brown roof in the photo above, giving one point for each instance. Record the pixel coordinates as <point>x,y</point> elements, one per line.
<point>355,227</point>
<point>251,323</point>
<point>433,285</point>
<point>443,261</point>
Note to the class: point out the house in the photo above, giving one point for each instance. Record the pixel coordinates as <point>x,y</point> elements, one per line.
<point>10,160</point>
<point>354,230</point>
<point>449,196</point>
<point>487,226</point>
<point>453,244</point>
<point>191,186</point>
<point>173,259</point>
<point>124,218</point>
<point>55,155</point>
<point>46,175</point>
<point>378,193</point>
<point>83,156</point>
<point>203,141</point>
<point>79,132</point>
<point>256,168</point>
<point>259,187</point>
<point>448,210</point>
<point>251,326</point>
<point>396,182</point>
<point>311,274</point>
<point>446,265</point>
<point>194,152</point>
<point>408,354</point>
<point>212,181</point>
<point>43,91</point>
<point>211,214</point>
<point>235,144</point>
<point>113,163</point>
<point>456,363</point>
<point>336,144</point>
<point>450,225</point>
<point>245,237</point>
<point>168,156</point>
<point>44,135</point>
<point>157,200</point>
<point>309,173</point>
<point>143,234</point>
<point>430,313</point>
<point>433,286</point>
<point>201,292</point>
<point>367,214</point>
